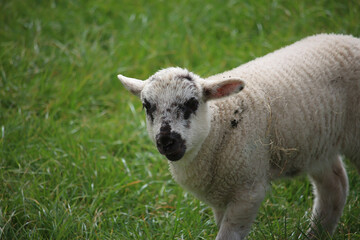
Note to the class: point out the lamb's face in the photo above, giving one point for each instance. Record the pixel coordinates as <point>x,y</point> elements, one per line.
<point>175,111</point>
<point>177,114</point>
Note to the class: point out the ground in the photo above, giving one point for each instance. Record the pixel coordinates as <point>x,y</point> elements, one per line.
<point>75,160</point>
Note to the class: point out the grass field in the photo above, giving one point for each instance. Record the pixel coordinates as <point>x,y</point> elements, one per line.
<point>75,160</point>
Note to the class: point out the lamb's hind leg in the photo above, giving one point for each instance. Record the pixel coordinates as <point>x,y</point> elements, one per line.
<point>330,189</point>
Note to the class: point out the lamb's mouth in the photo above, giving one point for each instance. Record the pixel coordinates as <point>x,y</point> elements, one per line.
<point>176,155</point>
<point>173,154</point>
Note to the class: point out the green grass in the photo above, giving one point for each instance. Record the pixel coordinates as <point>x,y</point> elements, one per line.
<point>75,160</point>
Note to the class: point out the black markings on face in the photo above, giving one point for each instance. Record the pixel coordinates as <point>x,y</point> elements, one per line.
<point>165,128</point>
<point>187,124</point>
<point>189,107</point>
<point>185,110</point>
<point>185,76</point>
<point>150,109</point>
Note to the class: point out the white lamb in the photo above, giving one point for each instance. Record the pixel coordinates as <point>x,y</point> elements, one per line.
<point>299,111</point>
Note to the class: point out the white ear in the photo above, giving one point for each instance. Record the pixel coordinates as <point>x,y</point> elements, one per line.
<point>221,88</point>
<point>135,86</point>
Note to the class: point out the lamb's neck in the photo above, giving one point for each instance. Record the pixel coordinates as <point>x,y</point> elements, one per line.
<point>195,167</point>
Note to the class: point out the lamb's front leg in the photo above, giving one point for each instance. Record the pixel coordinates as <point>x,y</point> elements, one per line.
<point>239,215</point>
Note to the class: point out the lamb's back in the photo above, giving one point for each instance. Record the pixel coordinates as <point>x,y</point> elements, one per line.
<point>309,95</point>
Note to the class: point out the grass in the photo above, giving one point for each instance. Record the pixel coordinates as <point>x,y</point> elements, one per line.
<point>75,160</point>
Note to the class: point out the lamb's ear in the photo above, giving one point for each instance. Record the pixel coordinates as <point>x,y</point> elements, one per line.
<point>221,88</point>
<point>135,86</point>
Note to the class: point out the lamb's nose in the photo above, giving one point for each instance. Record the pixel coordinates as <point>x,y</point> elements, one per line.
<point>165,142</point>
<point>171,144</point>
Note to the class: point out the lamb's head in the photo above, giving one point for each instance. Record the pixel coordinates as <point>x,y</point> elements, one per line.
<point>178,118</point>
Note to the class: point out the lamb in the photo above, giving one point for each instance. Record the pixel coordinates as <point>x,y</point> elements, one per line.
<point>298,114</point>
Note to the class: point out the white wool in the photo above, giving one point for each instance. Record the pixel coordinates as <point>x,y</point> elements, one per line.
<point>299,111</point>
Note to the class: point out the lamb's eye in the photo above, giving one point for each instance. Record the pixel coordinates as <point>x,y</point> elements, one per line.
<point>150,108</point>
<point>146,104</point>
<point>190,106</point>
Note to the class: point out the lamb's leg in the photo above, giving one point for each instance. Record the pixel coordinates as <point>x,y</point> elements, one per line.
<point>330,189</point>
<point>219,214</point>
<point>239,215</point>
